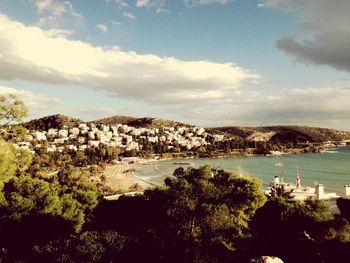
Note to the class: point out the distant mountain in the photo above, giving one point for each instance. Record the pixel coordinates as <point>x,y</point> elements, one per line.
<point>57,121</point>
<point>283,134</point>
<point>145,122</point>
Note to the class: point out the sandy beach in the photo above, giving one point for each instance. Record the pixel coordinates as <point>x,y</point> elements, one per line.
<point>120,177</point>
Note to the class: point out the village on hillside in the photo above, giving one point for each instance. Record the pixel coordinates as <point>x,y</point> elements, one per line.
<point>126,137</point>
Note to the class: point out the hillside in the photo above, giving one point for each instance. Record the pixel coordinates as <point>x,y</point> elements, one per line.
<point>145,122</point>
<point>274,134</point>
<point>56,121</point>
<point>283,134</point>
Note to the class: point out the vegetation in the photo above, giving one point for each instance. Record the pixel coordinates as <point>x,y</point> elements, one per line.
<point>145,122</point>
<point>286,134</point>
<point>198,215</point>
<point>52,203</point>
<point>57,121</point>
<point>12,110</point>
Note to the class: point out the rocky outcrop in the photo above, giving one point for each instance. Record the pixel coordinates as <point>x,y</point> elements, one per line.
<point>261,136</point>
<point>266,259</point>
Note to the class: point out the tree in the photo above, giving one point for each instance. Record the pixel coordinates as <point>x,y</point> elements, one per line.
<point>89,246</point>
<point>344,207</point>
<point>279,191</point>
<point>13,161</point>
<point>283,226</point>
<point>12,110</point>
<point>207,212</point>
<point>8,165</point>
<point>25,195</point>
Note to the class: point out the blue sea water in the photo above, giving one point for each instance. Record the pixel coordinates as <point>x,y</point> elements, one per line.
<point>331,168</point>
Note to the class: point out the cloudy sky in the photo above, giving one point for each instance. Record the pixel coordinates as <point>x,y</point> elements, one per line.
<point>205,62</point>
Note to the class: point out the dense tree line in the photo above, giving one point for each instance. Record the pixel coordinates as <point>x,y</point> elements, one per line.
<point>199,215</point>
<point>32,208</point>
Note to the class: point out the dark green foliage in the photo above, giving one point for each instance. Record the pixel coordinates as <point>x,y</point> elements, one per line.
<point>57,121</point>
<point>279,191</point>
<point>90,246</point>
<point>24,195</point>
<point>17,238</point>
<point>344,207</point>
<point>139,122</point>
<point>291,229</point>
<point>199,217</point>
<point>262,148</point>
<point>241,132</point>
<point>288,134</point>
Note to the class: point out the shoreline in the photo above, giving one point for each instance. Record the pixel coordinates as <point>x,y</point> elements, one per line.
<point>248,153</point>
<point>120,178</point>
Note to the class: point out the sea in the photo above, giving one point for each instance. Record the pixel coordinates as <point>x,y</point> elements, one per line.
<point>330,168</point>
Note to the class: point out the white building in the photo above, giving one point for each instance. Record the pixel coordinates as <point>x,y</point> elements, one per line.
<point>39,136</point>
<point>93,143</point>
<point>63,133</point>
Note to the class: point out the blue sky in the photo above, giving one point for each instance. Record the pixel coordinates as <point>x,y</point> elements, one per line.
<point>205,62</point>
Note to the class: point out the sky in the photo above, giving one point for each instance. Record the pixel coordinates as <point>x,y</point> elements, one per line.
<point>204,62</point>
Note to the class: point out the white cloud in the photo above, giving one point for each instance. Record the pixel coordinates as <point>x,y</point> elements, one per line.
<point>116,23</point>
<point>324,34</point>
<point>313,106</point>
<point>56,14</point>
<point>102,27</point>
<point>51,6</point>
<point>142,3</point>
<point>157,5</point>
<point>129,15</point>
<point>204,91</point>
<point>192,3</point>
<point>162,10</point>
<point>55,32</point>
<point>42,5</point>
<point>32,100</point>
<point>30,53</point>
<point>120,3</point>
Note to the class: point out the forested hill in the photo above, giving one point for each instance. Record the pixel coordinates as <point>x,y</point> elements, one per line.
<point>283,134</point>
<point>59,121</point>
<point>145,122</point>
<point>273,134</point>
<point>56,121</point>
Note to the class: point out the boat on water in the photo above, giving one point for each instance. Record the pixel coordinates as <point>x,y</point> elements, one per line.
<point>183,163</point>
<point>297,191</point>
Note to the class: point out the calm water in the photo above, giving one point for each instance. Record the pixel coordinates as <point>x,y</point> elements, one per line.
<point>331,168</point>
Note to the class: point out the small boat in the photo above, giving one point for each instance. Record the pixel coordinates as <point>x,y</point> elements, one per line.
<point>182,163</point>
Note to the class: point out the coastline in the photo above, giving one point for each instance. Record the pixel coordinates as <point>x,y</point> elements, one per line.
<point>120,178</point>
<point>244,153</point>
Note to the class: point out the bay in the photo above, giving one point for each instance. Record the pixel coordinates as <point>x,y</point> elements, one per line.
<point>331,168</point>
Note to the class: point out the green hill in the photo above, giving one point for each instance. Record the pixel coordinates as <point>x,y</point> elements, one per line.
<point>56,121</point>
<point>145,122</point>
<point>283,134</point>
